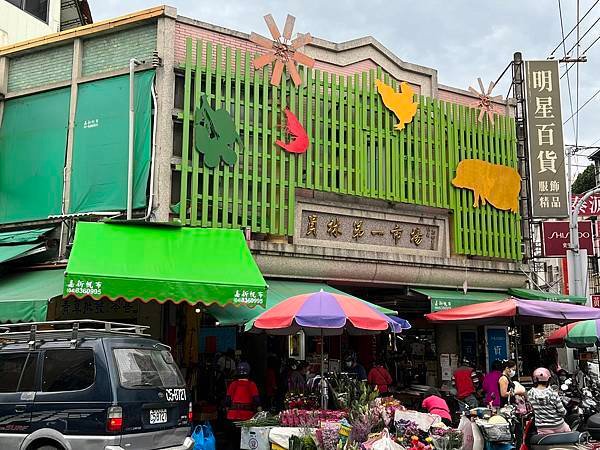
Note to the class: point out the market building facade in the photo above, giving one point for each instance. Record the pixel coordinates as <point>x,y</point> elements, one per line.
<point>338,178</point>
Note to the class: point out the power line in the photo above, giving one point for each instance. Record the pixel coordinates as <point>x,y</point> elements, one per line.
<point>582,106</point>
<point>574,28</point>
<point>562,31</point>
<point>582,37</point>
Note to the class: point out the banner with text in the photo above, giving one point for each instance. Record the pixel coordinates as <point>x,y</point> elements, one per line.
<point>556,238</point>
<point>591,207</point>
<point>545,137</point>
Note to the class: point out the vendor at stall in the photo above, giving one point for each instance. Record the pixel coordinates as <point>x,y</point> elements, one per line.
<point>353,367</point>
<point>380,377</point>
<point>435,404</point>
<point>242,395</point>
<point>296,379</point>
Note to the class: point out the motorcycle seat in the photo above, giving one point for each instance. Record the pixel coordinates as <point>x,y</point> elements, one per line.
<point>555,438</point>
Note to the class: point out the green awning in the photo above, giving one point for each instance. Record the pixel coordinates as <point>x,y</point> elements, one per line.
<point>161,262</point>
<point>16,244</point>
<point>10,252</point>
<point>278,291</point>
<point>442,299</point>
<point>22,236</point>
<point>532,294</point>
<point>24,296</point>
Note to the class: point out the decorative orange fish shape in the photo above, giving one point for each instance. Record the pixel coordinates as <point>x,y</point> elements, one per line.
<point>295,128</point>
<point>400,103</point>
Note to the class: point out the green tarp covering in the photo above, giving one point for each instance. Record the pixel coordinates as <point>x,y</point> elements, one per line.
<point>33,140</point>
<point>24,296</point>
<point>532,294</point>
<point>159,262</point>
<point>100,152</point>
<point>8,252</point>
<point>442,299</point>
<point>278,291</point>
<point>22,236</point>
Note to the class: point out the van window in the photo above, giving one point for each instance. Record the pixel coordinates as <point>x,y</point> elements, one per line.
<point>68,370</point>
<point>145,367</point>
<point>17,372</point>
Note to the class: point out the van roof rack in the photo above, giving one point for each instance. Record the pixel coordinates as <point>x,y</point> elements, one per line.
<point>66,330</point>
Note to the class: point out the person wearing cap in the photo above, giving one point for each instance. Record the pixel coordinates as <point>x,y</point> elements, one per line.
<point>353,367</point>
<point>548,409</point>
<point>243,399</point>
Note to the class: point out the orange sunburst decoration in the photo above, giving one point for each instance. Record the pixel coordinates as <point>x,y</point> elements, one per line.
<point>283,50</point>
<point>485,103</point>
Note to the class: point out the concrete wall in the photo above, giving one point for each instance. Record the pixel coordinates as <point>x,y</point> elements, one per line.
<point>17,25</point>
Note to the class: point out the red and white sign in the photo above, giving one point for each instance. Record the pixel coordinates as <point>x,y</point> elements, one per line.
<point>591,207</point>
<point>595,301</point>
<point>556,238</point>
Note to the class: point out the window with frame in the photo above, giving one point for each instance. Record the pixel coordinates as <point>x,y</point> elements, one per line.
<point>17,372</point>
<point>68,370</point>
<point>37,8</point>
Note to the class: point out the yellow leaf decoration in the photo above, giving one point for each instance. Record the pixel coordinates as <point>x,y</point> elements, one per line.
<point>500,185</point>
<point>400,103</point>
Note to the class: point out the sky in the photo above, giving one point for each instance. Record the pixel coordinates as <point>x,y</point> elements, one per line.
<point>461,39</point>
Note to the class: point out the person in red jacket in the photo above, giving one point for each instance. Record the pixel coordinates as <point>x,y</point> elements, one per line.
<point>465,388</point>
<point>243,399</point>
<point>380,377</point>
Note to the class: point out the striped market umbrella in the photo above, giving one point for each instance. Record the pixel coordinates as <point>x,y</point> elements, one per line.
<point>325,314</point>
<point>579,334</point>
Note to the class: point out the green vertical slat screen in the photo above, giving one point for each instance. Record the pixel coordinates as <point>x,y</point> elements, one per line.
<point>353,150</point>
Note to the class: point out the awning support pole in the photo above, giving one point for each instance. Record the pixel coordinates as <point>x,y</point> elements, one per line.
<point>132,63</point>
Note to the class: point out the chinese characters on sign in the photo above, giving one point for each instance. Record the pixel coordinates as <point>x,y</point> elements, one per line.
<point>546,148</point>
<point>359,230</point>
<point>248,297</point>
<point>84,287</point>
<point>591,207</point>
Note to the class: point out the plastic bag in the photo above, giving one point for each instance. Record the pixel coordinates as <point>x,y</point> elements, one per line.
<point>385,442</point>
<point>210,442</point>
<point>467,430</point>
<point>478,440</point>
<point>204,438</point>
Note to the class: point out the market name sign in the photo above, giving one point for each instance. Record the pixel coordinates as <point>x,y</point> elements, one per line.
<point>545,137</point>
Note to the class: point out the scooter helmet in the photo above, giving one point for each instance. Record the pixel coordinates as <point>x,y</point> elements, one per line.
<point>541,375</point>
<point>243,369</point>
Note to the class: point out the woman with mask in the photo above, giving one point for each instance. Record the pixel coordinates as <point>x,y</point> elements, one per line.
<point>505,383</point>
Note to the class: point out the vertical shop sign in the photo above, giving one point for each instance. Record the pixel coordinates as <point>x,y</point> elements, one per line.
<point>545,137</point>
<point>496,339</point>
<point>468,346</point>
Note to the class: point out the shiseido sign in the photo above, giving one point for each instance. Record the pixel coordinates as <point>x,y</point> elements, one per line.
<point>556,238</point>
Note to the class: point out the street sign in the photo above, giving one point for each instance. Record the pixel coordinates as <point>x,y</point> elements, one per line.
<point>591,207</point>
<point>595,301</point>
<point>556,235</point>
<point>545,138</point>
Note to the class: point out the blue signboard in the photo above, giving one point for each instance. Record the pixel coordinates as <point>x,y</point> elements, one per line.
<point>496,345</point>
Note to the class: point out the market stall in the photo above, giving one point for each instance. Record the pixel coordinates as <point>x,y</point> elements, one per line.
<point>351,414</point>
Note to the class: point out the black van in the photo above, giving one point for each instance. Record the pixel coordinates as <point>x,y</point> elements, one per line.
<point>90,385</point>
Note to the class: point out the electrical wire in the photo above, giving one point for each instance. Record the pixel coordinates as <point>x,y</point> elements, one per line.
<point>583,106</point>
<point>574,28</point>
<point>562,31</point>
<point>583,37</point>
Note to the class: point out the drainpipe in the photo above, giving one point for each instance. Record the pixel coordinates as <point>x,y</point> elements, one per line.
<point>132,63</point>
<point>153,159</point>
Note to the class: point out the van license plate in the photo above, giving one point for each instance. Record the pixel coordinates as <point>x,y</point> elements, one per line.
<point>158,416</point>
